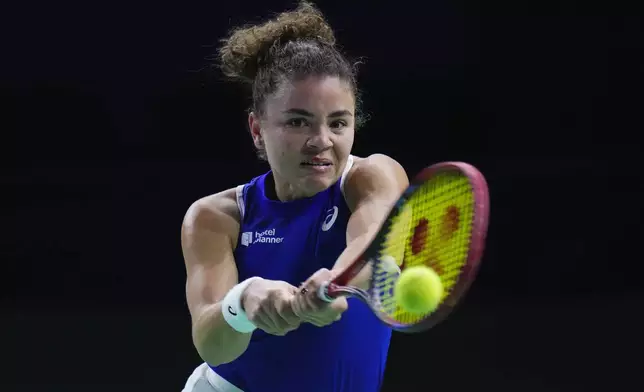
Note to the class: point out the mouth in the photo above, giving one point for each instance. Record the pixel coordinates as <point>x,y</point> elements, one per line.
<point>316,163</point>
<point>319,166</point>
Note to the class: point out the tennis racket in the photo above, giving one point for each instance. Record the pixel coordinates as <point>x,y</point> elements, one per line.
<point>440,221</point>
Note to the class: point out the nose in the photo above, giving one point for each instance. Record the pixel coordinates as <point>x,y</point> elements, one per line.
<point>320,140</point>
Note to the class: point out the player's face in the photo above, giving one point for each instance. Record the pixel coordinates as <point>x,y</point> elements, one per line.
<point>307,132</point>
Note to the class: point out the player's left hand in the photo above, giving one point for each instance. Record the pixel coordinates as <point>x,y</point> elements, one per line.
<point>311,309</point>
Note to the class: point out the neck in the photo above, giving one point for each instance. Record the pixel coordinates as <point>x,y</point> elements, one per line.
<point>282,190</point>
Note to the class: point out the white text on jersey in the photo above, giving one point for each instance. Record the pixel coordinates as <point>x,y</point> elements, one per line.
<point>265,237</point>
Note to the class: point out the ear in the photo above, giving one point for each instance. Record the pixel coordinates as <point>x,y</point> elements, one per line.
<point>255,127</point>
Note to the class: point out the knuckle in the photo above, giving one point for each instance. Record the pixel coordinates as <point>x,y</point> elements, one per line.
<point>262,306</point>
<point>320,274</point>
<point>252,317</point>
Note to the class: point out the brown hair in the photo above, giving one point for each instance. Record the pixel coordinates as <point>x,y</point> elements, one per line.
<point>293,45</point>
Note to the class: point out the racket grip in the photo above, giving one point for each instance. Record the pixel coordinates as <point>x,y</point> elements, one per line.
<point>323,292</point>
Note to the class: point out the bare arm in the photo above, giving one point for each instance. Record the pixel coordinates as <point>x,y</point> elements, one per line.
<point>208,236</point>
<point>371,190</point>
<point>372,186</point>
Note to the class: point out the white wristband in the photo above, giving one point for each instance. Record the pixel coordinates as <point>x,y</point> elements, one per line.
<point>232,309</point>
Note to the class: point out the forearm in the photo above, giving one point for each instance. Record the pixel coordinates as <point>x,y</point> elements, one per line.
<point>355,248</point>
<point>215,340</point>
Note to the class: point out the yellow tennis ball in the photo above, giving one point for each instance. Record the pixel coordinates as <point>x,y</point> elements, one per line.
<point>418,290</point>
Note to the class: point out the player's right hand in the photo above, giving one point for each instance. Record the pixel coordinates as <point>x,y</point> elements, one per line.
<point>268,304</point>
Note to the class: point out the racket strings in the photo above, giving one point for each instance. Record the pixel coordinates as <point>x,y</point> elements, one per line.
<point>432,228</point>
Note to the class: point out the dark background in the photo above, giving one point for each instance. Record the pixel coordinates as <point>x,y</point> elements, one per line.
<point>113,124</point>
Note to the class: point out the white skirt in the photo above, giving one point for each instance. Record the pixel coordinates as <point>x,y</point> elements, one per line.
<point>204,379</point>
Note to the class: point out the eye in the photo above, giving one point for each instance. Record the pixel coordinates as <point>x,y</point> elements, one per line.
<point>338,124</point>
<point>297,122</point>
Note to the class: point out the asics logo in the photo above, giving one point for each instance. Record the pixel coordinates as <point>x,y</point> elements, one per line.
<point>332,215</point>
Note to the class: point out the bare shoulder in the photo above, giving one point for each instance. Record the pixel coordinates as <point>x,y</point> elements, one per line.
<point>377,175</point>
<point>214,213</point>
<point>375,164</point>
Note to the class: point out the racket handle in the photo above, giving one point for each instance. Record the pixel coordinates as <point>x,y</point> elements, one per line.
<point>323,292</point>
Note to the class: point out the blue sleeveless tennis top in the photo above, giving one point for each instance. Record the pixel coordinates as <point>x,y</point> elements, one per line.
<point>290,241</point>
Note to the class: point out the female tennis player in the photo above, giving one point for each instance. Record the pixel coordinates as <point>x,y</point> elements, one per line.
<point>249,249</point>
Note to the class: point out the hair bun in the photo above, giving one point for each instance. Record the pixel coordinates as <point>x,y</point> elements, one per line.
<point>246,48</point>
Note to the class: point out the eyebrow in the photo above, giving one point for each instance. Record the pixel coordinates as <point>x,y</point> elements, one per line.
<point>306,113</point>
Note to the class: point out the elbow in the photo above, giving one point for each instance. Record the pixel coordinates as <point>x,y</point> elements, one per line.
<point>208,347</point>
<point>216,347</point>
